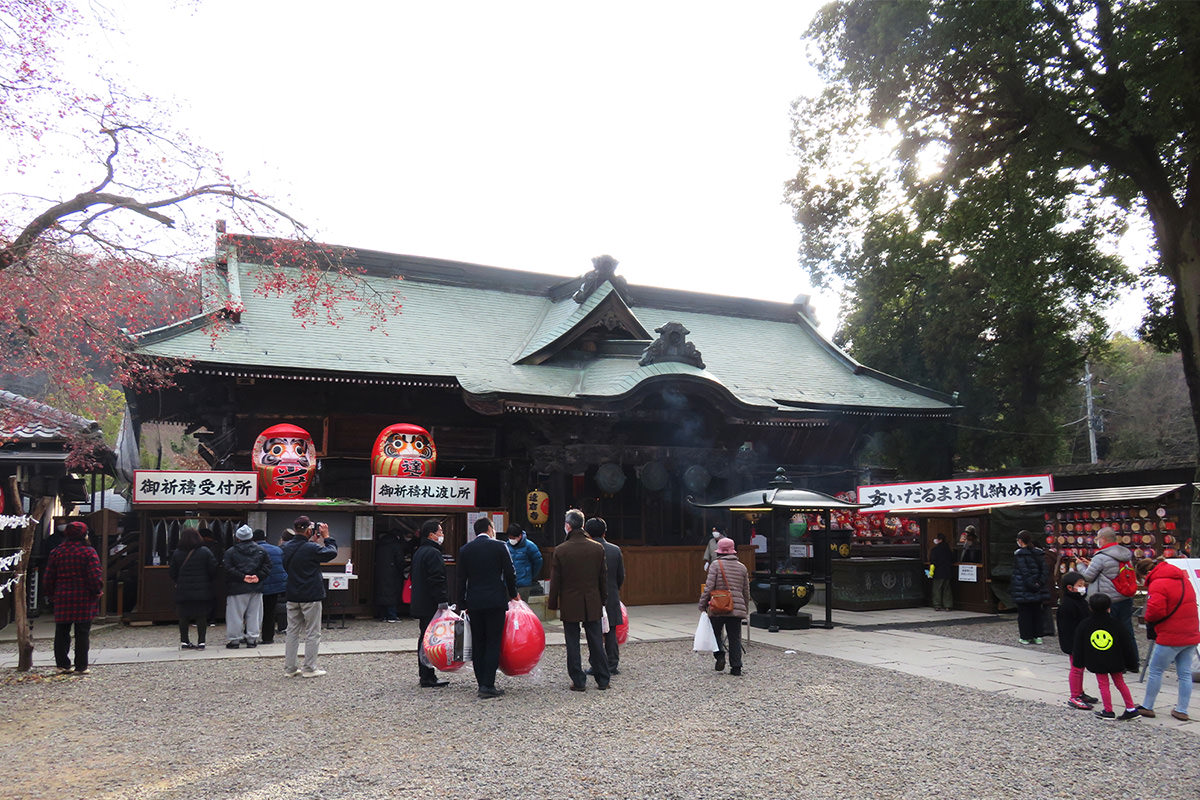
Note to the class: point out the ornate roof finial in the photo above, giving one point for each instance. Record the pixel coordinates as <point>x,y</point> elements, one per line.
<point>672,345</point>
<point>604,268</point>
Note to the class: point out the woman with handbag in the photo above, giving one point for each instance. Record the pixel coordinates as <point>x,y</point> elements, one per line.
<point>726,599</point>
<point>1173,623</point>
<point>193,567</point>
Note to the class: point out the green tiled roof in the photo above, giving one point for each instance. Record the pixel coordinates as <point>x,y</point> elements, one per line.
<point>477,326</point>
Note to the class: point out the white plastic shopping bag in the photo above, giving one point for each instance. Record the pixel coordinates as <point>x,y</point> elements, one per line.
<point>604,627</point>
<point>466,640</point>
<point>706,640</point>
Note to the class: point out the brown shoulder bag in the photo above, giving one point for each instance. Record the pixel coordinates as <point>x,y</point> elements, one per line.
<point>721,600</point>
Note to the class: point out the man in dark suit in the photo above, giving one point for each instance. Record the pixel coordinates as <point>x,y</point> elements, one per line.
<point>614,564</point>
<point>428,593</point>
<point>486,582</point>
<point>578,590</point>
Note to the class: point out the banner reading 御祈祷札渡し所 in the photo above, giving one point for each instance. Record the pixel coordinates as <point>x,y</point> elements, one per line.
<point>389,490</point>
<point>953,493</point>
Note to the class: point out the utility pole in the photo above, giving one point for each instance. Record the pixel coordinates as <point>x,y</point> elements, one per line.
<point>1091,410</point>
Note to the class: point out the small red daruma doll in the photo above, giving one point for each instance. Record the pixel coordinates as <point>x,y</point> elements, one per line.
<point>404,451</point>
<point>285,458</point>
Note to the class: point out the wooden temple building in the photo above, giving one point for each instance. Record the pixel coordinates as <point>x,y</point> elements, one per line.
<point>620,399</point>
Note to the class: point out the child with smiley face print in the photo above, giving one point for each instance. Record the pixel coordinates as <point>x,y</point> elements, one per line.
<point>1103,647</point>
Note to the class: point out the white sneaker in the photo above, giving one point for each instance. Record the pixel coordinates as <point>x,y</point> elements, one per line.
<point>290,673</point>
<point>312,673</point>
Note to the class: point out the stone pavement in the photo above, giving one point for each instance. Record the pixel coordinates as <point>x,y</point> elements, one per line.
<point>874,638</point>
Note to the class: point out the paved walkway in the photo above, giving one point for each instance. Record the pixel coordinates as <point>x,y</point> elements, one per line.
<point>874,638</point>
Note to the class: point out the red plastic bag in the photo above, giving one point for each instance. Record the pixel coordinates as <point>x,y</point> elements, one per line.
<point>406,592</point>
<point>439,641</point>
<point>623,626</point>
<point>524,639</point>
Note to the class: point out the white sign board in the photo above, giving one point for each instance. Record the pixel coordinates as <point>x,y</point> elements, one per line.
<point>953,493</point>
<point>194,488</point>
<point>387,490</point>
<point>968,573</point>
<point>1191,566</point>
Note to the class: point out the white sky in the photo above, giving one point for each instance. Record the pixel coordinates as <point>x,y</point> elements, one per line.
<point>530,135</point>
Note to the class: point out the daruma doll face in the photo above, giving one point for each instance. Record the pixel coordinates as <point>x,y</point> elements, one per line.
<point>285,459</point>
<point>404,450</point>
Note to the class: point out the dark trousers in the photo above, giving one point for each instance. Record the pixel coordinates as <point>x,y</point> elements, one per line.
<point>1122,612</point>
<point>62,644</point>
<point>1029,620</point>
<point>596,655</point>
<point>270,610</point>
<point>189,615</point>
<point>610,648</point>
<point>487,630</point>
<point>731,627</point>
<point>428,673</point>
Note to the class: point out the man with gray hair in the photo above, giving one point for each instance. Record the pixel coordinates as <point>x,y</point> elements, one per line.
<point>1102,570</point>
<point>578,591</point>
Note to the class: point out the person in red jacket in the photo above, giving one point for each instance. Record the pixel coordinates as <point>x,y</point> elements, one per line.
<point>73,583</point>
<point>1171,609</point>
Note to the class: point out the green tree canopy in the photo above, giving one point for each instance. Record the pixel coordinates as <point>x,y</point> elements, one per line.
<point>1001,143</point>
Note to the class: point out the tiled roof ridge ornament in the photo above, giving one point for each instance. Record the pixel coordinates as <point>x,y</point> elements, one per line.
<point>604,268</point>
<point>671,345</point>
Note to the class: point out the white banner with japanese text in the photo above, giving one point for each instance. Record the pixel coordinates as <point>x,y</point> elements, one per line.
<point>387,490</point>
<point>194,488</point>
<point>953,493</point>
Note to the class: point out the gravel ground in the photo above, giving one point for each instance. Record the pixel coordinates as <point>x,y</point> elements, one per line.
<point>669,727</point>
<point>117,635</point>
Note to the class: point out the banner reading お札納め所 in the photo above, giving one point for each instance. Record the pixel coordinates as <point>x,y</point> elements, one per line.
<point>953,493</point>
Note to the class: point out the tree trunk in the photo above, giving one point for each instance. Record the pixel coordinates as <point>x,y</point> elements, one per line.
<point>21,592</point>
<point>1183,266</point>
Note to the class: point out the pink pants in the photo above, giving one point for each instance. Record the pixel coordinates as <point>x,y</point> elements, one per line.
<point>1118,680</point>
<point>1075,680</point>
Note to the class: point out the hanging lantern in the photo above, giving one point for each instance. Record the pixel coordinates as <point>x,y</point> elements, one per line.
<point>404,450</point>
<point>285,458</point>
<point>537,507</point>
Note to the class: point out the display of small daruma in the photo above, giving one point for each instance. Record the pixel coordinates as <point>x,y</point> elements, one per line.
<point>285,458</point>
<point>404,450</point>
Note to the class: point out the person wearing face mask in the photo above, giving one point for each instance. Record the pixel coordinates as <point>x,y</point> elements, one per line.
<point>710,550</point>
<point>429,591</point>
<point>526,558</point>
<point>1072,610</point>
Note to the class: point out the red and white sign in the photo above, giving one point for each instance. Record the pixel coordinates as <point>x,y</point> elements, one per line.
<point>194,488</point>
<point>896,497</point>
<point>426,492</point>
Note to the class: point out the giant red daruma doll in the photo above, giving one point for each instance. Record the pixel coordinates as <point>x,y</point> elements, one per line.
<point>404,451</point>
<point>285,458</point>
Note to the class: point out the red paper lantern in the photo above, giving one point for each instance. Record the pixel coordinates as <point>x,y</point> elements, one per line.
<point>623,627</point>
<point>524,640</point>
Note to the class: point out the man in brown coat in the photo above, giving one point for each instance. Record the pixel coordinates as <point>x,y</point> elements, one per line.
<point>578,590</point>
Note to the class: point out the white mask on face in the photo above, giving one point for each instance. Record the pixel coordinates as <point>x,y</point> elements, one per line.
<point>716,534</point>
<point>515,541</point>
<point>438,538</point>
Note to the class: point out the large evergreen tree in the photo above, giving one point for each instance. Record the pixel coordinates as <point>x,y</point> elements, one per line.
<point>1014,118</point>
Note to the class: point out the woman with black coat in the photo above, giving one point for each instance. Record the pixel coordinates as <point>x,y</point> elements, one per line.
<point>1030,588</point>
<point>193,568</point>
<point>389,576</point>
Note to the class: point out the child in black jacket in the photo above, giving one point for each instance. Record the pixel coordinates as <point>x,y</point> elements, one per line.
<point>1073,609</point>
<point>1102,646</point>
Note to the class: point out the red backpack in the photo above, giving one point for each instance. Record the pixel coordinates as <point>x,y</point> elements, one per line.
<point>1126,580</point>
